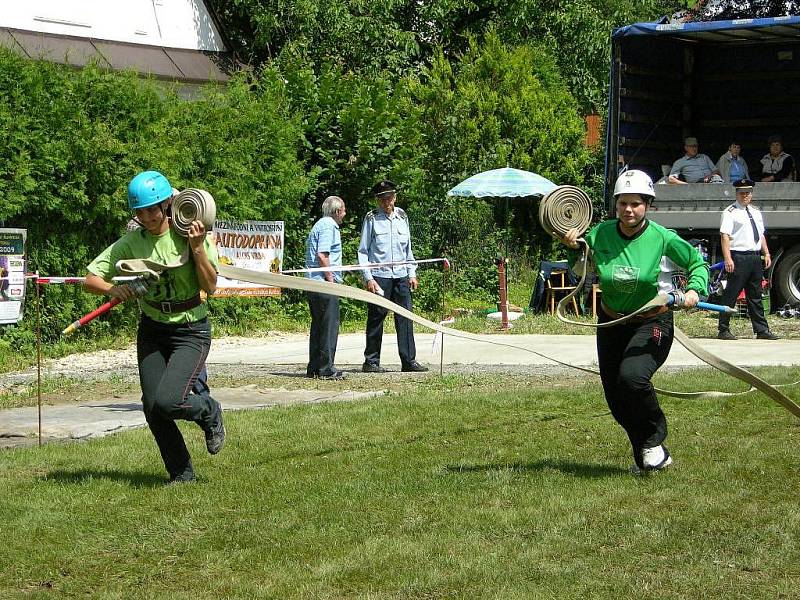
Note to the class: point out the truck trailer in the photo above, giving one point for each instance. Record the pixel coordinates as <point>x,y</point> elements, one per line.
<point>720,81</point>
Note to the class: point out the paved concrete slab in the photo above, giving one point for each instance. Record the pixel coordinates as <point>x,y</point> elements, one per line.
<point>96,419</point>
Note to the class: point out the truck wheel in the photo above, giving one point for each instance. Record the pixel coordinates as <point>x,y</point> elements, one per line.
<point>786,281</point>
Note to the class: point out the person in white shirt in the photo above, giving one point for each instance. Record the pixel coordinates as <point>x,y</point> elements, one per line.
<point>743,243</point>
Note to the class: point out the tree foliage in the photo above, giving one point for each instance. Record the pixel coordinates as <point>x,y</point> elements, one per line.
<point>721,10</point>
<point>396,37</point>
<point>496,106</point>
<point>71,140</point>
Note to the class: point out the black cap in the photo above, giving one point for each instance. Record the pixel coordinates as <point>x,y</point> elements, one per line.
<point>775,139</point>
<point>384,187</point>
<point>744,184</point>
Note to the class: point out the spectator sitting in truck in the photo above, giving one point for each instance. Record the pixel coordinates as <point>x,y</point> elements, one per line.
<point>776,164</point>
<point>731,166</point>
<point>693,167</point>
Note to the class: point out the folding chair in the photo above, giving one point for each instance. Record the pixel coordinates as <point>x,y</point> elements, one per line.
<point>557,287</point>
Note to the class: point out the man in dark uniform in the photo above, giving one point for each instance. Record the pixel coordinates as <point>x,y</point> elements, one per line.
<point>386,238</point>
<point>743,243</point>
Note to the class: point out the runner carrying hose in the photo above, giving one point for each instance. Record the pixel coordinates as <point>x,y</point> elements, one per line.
<point>174,334</point>
<point>632,256</point>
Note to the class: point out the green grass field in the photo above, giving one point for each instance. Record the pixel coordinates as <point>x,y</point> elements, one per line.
<point>463,487</point>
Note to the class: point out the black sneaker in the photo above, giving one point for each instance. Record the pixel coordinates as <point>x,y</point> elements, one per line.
<point>726,335</point>
<point>414,367</point>
<point>335,376</point>
<point>767,335</point>
<point>370,368</point>
<point>183,478</point>
<point>215,434</point>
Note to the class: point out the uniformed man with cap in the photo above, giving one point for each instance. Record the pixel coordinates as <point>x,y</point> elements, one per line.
<point>386,238</point>
<point>743,244</point>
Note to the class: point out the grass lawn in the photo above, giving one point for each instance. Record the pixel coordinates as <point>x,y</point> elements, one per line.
<point>463,487</point>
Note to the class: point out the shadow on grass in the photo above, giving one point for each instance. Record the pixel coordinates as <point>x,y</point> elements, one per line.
<point>586,470</point>
<point>136,479</point>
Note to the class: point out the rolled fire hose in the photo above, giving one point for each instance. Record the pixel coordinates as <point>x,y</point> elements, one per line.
<point>579,207</point>
<point>568,207</point>
<point>192,205</point>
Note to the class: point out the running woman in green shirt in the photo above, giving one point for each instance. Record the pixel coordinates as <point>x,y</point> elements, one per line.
<point>635,259</point>
<point>174,334</point>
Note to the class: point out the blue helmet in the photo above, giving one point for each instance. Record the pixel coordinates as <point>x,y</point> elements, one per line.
<point>148,188</point>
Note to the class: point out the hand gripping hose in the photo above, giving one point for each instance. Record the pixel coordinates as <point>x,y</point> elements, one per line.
<point>139,287</point>
<point>568,207</point>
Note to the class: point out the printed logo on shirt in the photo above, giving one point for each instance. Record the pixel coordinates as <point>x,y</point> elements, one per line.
<point>625,278</point>
<point>657,335</point>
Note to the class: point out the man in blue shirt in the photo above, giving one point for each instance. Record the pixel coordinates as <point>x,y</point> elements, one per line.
<point>324,249</point>
<point>693,167</point>
<point>386,238</point>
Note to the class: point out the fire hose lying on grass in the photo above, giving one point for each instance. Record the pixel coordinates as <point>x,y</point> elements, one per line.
<point>564,208</point>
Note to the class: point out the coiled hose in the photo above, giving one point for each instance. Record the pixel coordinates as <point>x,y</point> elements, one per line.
<point>566,207</point>
<point>193,205</point>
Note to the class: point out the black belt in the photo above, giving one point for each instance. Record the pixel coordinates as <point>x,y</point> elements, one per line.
<point>175,307</point>
<point>745,251</point>
<point>648,314</point>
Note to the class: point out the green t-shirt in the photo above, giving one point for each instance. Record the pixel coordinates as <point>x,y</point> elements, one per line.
<point>633,270</point>
<point>174,285</point>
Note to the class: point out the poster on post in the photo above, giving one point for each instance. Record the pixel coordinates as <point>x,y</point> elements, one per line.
<point>12,274</point>
<point>255,245</point>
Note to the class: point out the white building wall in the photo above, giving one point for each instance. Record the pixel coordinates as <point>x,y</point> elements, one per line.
<point>170,23</point>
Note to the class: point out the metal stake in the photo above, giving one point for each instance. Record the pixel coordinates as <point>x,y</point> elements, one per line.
<point>39,356</point>
<point>444,317</point>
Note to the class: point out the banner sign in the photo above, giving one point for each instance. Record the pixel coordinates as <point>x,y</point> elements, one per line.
<point>12,274</point>
<point>254,245</point>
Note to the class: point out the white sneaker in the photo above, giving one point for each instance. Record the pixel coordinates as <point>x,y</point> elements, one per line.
<point>655,459</point>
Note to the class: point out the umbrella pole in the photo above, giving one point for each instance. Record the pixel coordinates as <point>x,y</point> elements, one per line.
<point>501,272</point>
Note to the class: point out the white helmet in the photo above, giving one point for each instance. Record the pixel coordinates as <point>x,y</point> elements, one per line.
<point>634,182</point>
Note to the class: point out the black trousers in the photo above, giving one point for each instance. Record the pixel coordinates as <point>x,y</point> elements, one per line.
<point>324,333</point>
<point>747,275</point>
<point>399,292</point>
<point>171,358</point>
<point>628,355</point>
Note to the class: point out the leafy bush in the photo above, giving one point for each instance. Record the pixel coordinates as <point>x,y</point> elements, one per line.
<point>71,140</point>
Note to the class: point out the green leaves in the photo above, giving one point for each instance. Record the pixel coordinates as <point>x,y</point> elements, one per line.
<point>70,141</point>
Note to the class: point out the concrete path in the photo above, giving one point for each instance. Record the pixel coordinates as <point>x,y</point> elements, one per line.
<point>571,349</point>
<point>92,419</point>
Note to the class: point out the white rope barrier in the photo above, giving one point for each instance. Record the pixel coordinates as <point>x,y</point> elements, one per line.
<point>370,266</point>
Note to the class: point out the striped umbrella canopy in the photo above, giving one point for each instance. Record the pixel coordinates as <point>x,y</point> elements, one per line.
<point>503,183</point>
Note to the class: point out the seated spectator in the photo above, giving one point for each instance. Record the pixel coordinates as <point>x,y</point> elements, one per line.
<point>776,164</point>
<point>693,167</point>
<point>731,166</point>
